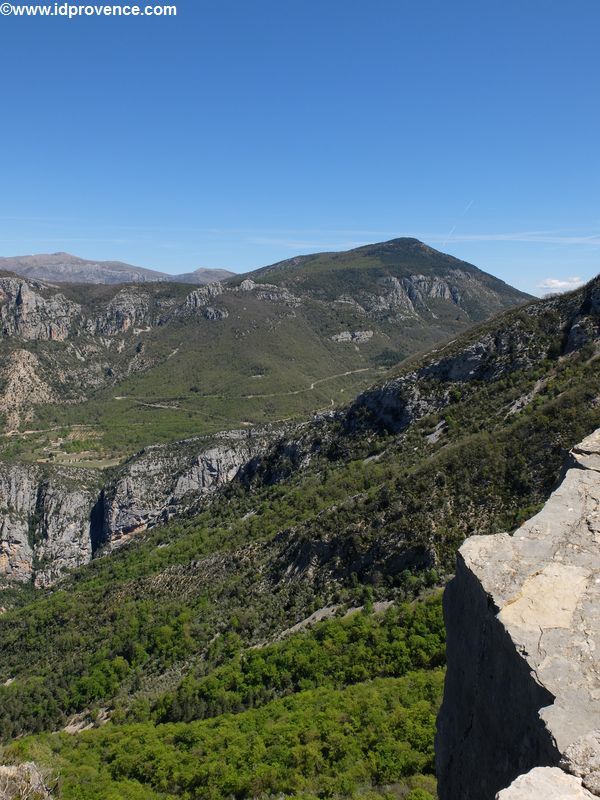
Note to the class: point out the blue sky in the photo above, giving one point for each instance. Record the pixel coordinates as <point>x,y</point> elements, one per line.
<point>240,133</point>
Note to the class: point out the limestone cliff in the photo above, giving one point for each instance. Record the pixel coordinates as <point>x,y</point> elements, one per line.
<point>29,312</point>
<point>22,387</point>
<point>165,480</point>
<point>44,522</point>
<point>54,519</point>
<point>521,711</point>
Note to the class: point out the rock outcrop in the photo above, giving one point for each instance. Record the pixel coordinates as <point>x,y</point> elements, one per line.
<point>409,296</point>
<point>200,298</point>
<point>55,519</point>
<point>24,781</point>
<point>44,522</point>
<point>521,711</point>
<point>215,313</point>
<point>165,480</point>
<point>30,313</point>
<point>269,292</point>
<point>128,309</point>
<point>546,783</point>
<point>356,337</point>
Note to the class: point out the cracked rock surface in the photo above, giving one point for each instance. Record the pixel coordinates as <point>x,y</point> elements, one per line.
<point>523,621</point>
<point>545,783</point>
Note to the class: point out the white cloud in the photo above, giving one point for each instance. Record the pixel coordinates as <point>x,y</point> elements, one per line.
<point>560,284</point>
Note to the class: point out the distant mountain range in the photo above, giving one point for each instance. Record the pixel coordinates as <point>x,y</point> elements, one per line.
<point>200,486</point>
<point>158,360</point>
<point>201,276</point>
<point>66,268</point>
<point>366,503</point>
<point>403,266</point>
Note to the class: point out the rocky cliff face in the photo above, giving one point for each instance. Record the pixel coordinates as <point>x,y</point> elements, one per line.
<point>165,480</point>
<point>269,292</point>
<point>44,522</point>
<point>521,711</point>
<point>200,298</point>
<point>53,520</point>
<point>36,312</point>
<point>24,782</point>
<point>410,296</point>
<point>128,309</point>
<point>22,387</point>
<point>27,314</point>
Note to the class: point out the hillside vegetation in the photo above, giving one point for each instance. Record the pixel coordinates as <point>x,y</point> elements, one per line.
<point>91,373</point>
<point>184,638</point>
<point>356,715</point>
<point>350,272</point>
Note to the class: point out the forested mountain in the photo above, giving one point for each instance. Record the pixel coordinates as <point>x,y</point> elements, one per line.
<point>158,642</point>
<point>119,367</point>
<point>413,273</point>
<point>91,374</point>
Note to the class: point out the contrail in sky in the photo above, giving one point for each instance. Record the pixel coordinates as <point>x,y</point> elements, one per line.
<point>453,228</point>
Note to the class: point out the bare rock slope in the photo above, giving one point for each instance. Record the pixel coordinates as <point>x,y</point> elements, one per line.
<point>24,782</point>
<point>55,519</point>
<point>521,711</point>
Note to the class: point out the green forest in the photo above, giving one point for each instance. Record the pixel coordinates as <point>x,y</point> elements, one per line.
<point>186,662</point>
<point>344,709</point>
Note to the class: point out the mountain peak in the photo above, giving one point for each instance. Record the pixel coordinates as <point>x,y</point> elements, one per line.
<point>399,244</point>
<point>375,269</point>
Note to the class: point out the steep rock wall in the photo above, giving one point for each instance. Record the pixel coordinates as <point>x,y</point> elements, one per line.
<point>522,695</point>
<point>165,480</point>
<point>55,519</point>
<point>44,522</point>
